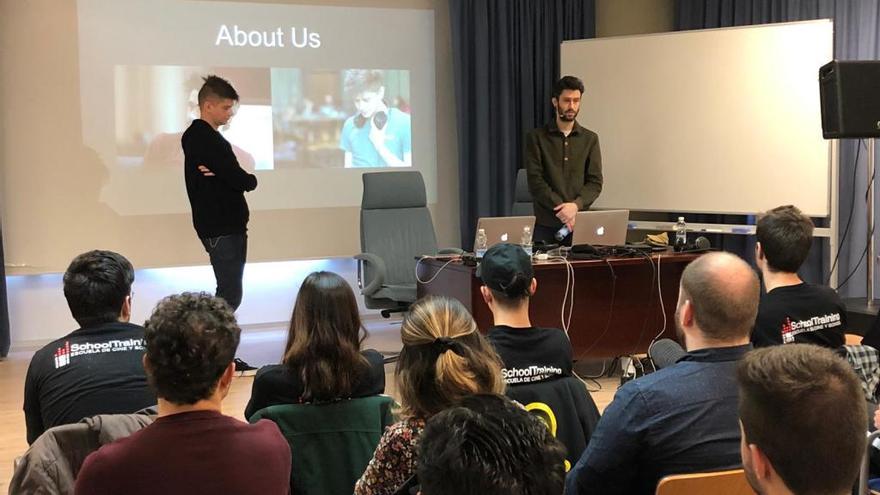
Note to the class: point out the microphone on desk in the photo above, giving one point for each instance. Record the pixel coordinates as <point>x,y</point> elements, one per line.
<point>699,244</point>
<point>665,352</point>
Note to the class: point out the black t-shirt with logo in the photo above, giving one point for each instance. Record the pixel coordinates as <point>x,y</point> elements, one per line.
<point>802,313</point>
<point>94,370</point>
<point>531,354</point>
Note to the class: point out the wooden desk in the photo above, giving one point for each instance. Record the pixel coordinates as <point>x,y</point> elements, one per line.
<point>616,304</point>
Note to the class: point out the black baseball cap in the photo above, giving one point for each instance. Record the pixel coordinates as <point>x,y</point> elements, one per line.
<point>503,264</point>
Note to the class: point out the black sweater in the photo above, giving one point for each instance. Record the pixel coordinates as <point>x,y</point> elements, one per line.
<point>277,384</point>
<point>218,204</point>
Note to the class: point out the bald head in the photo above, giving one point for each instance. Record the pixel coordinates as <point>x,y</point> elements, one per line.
<point>723,293</point>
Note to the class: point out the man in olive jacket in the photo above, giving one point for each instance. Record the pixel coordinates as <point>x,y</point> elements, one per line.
<point>563,163</point>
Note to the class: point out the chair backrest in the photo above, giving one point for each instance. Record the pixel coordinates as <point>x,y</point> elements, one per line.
<point>396,224</point>
<point>717,483</point>
<point>332,443</point>
<point>522,198</point>
<point>567,408</point>
<point>53,461</point>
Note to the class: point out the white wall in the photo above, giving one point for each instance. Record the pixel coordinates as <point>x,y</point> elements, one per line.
<point>38,311</point>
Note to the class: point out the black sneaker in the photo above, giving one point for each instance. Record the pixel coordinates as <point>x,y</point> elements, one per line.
<point>243,369</point>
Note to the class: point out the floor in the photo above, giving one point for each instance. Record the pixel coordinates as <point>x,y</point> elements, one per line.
<point>257,348</point>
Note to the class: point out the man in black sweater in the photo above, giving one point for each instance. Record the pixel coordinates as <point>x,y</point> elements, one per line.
<point>216,185</point>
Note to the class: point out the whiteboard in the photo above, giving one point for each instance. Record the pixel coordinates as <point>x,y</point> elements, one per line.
<point>710,121</point>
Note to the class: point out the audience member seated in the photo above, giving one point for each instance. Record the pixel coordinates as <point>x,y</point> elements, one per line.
<point>96,369</point>
<point>489,445</point>
<point>536,361</point>
<point>803,421</point>
<point>529,354</point>
<point>792,310</point>
<point>444,359</point>
<point>322,359</point>
<point>681,419</point>
<point>191,341</point>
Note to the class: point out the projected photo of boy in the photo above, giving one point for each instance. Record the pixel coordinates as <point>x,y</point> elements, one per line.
<point>331,118</point>
<point>376,135</point>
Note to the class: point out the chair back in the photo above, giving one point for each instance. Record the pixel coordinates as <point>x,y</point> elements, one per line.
<point>522,198</point>
<point>53,461</point>
<point>330,443</point>
<point>717,483</point>
<point>567,408</point>
<point>396,225</point>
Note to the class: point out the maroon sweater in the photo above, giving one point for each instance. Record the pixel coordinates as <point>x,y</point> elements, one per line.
<point>193,452</point>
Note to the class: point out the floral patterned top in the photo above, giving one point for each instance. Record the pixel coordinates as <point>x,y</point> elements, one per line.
<point>394,461</point>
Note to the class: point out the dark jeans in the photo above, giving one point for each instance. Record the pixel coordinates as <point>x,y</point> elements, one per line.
<point>546,234</point>
<point>228,254</point>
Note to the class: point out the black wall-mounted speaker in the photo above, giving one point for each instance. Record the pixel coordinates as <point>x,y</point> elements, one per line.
<point>850,98</point>
<point>849,92</point>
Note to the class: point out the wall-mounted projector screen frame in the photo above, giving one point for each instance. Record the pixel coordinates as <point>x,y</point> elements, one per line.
<point>709,121</point>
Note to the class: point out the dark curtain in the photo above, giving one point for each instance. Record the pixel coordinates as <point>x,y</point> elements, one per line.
<point>4,306</point>
<point>856,28</point>
<point>506,57</point>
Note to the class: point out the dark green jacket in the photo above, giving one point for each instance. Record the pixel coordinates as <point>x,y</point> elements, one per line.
<point>562,169</point>
<point>332,443</point>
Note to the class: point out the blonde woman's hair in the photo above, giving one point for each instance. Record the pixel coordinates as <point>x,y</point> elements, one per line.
<point>444,358</point>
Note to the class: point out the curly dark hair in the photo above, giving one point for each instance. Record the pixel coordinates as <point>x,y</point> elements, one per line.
<point>95,285</point>
<point>488,445</point>
<point>191,339</point>
<point>571,83</point>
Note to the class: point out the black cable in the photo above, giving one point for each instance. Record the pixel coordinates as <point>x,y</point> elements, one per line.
<point>868,192</point>
<point>853,272</point>
<point>601,373</point>
<point>648,307</point>
<point>610,311</point>
<point>861,258</point>
<point>852,205</point>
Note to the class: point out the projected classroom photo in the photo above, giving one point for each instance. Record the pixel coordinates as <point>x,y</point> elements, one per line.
<point>286,118</point>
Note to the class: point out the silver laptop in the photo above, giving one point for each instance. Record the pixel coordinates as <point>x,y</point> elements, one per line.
<point>504,229</point>
<point>601,228</point>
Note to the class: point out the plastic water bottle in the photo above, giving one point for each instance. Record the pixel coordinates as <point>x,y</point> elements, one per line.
<point>562,233</point>
<point>680,232</point>
<point>526,240</point>
<point>481,242</point>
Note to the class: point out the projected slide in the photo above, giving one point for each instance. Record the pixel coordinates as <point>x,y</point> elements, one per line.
<point>321,99</point>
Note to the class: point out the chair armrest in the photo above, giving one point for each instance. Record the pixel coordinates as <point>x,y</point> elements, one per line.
<point>450,251</point>
<point>863,474</point>
<point>378,279</point>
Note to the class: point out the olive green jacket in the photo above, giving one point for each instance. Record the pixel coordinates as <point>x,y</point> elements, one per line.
<point>562,169</point>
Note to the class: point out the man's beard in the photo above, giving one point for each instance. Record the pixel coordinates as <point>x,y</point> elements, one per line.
<point>679,333</point>
<point>565,118</point>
